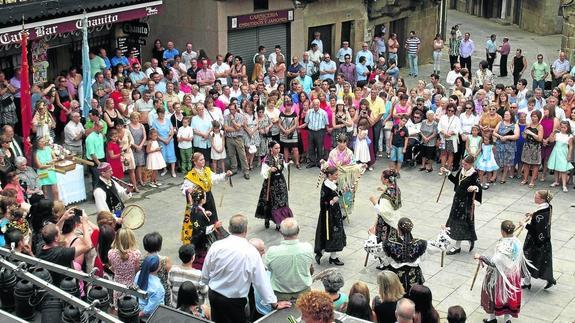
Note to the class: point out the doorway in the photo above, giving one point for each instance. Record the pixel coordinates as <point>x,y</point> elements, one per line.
<point>325,36</point>
<point>517,12</point>
<point>346,28</point>
<point>399,27</point>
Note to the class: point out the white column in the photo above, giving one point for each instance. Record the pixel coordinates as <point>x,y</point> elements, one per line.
<point>503,9</point>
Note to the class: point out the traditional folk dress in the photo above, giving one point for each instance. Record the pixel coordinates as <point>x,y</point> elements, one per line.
<point>195,230</point>
<point>537,246</point>
<point>204,179</point>
<point>461,218</point>
<point>501,290</point>
<point>349,175</point>
<point>387,209</point>
<point>329,233</point>
<point>403,255</point>
<point>273,204</point>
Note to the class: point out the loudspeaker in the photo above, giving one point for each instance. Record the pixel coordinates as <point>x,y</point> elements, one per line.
<point>166,314</point>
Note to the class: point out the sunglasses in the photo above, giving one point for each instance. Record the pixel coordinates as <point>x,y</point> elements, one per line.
<point>468,108</point>
<point>450,110</point>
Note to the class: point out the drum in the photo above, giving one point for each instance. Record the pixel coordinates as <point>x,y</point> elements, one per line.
<point>133,217</point>
<point>216,235</point>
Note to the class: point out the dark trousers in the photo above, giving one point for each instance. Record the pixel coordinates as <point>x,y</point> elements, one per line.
<point>516,76</point>
<point>452,60</point>
<point>503,67</point>
<point>227,310</point>
<point>315,146</point>
<point>490,59</point>
<point>465,62</point>
<point>376,134</point>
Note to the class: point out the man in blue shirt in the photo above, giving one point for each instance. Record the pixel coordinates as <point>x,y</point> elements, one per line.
<point>104,56</point>
<point>316,121</point>
<point>491,51</point>
<point>305,80</point>
<point>170,52</point>
<point>120,59</point>
<point>361,72</point>
<point>327,68</point>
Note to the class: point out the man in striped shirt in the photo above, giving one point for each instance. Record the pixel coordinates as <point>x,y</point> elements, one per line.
<point>316,121</point>
<point>412,45</point>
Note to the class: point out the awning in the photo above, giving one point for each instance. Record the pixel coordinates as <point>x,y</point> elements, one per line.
<point>61,25</point>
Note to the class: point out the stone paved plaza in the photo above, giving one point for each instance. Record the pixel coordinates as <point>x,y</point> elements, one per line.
<point>451,284</point>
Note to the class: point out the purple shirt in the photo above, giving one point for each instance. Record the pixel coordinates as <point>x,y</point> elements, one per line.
<point>348,71</point>
<point>466,48</point>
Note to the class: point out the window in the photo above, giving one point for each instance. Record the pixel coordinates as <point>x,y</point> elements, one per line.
<point>261,5</point>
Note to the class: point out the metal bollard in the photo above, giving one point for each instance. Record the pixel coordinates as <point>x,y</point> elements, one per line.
<point>7,282</point>
<point>128,309</point>
<point>22,293</point>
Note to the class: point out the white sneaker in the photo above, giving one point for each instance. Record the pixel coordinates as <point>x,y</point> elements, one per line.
<point>158,184</point>
<point>152,185</point>
<point>164,172</point>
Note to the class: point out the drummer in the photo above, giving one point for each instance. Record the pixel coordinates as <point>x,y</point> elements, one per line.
<point>201,176</point>
<point>108,194</point>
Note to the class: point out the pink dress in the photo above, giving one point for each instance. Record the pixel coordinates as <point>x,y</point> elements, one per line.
<point>124,270</point>
<point>547,125</point>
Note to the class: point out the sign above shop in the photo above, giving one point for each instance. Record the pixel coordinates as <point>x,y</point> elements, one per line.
<point>136,28</point>
<point>73,23</point>
<point>260,19</point>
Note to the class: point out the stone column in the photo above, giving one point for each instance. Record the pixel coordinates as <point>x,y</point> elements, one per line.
<point>503,9</point>
<point>568,37</point>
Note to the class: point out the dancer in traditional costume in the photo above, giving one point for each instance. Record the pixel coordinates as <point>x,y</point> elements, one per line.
<point>273,203</point>
<point>329,233</point>
<point>387,208</point>
<point>501,290</point>
<point>461,221</point>
<point>341,157</point>
<point>202,177</point>
<point>198,224</point>
<point>537,247</point>
<point>403,254</point>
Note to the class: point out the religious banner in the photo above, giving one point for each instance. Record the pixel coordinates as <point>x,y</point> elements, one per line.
<point>39,61</point>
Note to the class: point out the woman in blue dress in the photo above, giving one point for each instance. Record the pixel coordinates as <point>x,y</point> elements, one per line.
<point>166,139</point>
<point>522,123</point>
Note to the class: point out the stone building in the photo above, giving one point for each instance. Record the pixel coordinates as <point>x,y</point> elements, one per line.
<point>240,26</point>
<point>537,16</point>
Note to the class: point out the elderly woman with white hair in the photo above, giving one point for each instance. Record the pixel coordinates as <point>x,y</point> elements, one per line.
<point>428,131</point>
<point>29,178</point>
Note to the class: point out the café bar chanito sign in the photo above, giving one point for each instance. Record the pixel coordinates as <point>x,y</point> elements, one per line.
<point>74,23</point>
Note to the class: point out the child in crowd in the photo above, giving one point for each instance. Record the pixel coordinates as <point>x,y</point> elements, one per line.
<point>399,139</point>
<point>185,137</point>
<point>473,142</point>
<point>155,160</point>
<point>561,154</point>
<point>486,163</point>
<point>114,154</point>
<point>218,153</point>
<point>361,147</point>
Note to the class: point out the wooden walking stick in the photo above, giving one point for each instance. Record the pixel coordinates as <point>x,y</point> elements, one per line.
<point>441,189</point>
<point>366,258</point>
<point>473,206</point>
<point>269,188</point>
<point>224,192</point>
<point>475,275</point>
<point>442,256</point>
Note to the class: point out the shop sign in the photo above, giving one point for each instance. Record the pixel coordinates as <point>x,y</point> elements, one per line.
<point>136,28</point>
<point>95,19</point>
<point>260,19</point>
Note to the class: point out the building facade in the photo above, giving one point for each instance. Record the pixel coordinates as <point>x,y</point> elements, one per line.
<point>55,31</point>
<point>536,16</point>
<point>240,26</point>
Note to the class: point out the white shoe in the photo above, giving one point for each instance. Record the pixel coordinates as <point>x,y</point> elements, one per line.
<point>565,189</point>
<point>174,175</point>
<point>164,172</point>
<point>152,185</point>
<point>158,184</point>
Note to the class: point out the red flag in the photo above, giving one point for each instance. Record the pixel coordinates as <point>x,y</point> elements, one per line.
<point>26,98</point>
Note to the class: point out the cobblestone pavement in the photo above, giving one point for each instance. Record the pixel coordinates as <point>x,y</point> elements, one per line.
<point>450,285</point>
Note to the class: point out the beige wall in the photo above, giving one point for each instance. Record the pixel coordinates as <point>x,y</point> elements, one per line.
<point>541,17</point>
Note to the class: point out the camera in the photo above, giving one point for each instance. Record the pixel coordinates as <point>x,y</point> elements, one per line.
<point>78,213</point>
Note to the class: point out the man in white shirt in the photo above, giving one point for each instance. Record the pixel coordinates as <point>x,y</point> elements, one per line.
<point>365,52</point>
<point>345,49</point>
<point>231,266</point>
<point>188,55</point>
<point>154,68</point>
<point>73,134</point>
<point>315,56</point>
<point>317,40</point>
<point>235,90</point>
<point>221,69</point>
<point>108,194</point>
<point>273,58</point>
<point>453,75</point>
<point>559,112</point>
<point>540,101</point>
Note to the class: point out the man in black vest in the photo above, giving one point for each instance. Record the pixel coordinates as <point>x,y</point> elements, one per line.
<point>108,194</point>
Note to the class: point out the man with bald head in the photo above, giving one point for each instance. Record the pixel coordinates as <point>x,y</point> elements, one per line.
<point>290,263</point>
<point>316,121</point>
<point>405,311</point>
<point>16,143</point>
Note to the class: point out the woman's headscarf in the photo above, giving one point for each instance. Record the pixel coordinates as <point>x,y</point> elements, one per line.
<point>149,265</point>
<point>392,192</point>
